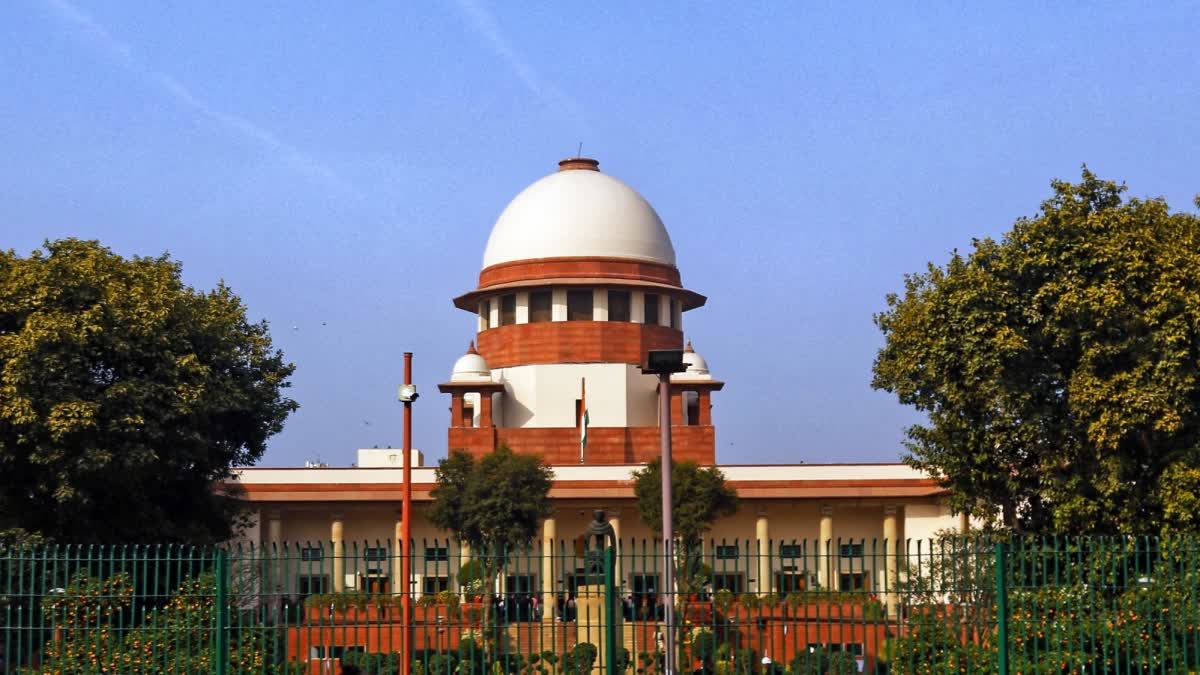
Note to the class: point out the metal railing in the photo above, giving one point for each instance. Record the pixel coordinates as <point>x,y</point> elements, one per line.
<point>959,604</point>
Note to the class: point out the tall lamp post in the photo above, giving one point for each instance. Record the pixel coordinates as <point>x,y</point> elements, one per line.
<point>663,362</point>
<point>407,394</point>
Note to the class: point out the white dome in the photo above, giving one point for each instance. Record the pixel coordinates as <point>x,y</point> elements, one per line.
<point>697,367</point>
<point>470,367</point>
<point>579,212</point>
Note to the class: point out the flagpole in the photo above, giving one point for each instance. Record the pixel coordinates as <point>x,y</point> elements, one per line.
<point>583,417</point>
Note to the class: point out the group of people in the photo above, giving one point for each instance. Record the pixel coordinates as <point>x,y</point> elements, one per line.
<point>525,607</point>
<point>517,607</point>
<point>643,607</point>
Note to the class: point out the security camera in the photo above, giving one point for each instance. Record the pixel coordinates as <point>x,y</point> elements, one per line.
<point>408,393</point>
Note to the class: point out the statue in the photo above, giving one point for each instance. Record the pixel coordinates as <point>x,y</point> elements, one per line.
<point>601,534</point>
<point>601,531</point>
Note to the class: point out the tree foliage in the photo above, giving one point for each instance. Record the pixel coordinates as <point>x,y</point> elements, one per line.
<point>124,395</point>
<point>494,504</point>
<point>700,496</point>
<point>1060,366</point>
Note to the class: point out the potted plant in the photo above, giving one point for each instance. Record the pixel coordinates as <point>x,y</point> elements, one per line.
<point>769,603</point>
<point>472,579</point>
<point>349,606</point>
<point>723,600</point>
<point>429,609</point>
<point>829,605</point>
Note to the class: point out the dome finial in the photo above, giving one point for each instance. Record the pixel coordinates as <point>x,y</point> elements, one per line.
<point>688,349</point>
<point>471,348</point>
<point>579,164</point>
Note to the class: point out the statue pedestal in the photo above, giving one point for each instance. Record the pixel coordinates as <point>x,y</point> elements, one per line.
<point>591,614</point>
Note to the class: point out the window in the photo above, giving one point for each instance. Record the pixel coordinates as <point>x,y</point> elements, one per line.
<point>790,582</point>
<point>520,584</point>
<point>485,311</point>
<point>312,584</point>
<point>854,649</point>
<point>729,581</point>
<point>312,553</point>
<point>375,554</point>
<point>791,550</point>
<point>651,307</point>
<point>851,550</point>
<point>508,310</point>
<point>579,305</point>
<point>645,588</point>
<point>692,402</point>
<point>437,554</point>
<point>674,307</point>
<point>727,552</point>
<point>434,585</point>
<point>618,305</point>
<point>540,307</point>
<point>851,581</point>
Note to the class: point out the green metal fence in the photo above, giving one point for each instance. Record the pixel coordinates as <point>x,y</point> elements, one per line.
<point>958,604</point>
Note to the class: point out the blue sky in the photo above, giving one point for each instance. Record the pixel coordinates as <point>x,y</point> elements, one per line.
<point>340,166</point>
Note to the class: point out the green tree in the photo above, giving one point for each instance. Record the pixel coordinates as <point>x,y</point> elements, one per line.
<point>1059,367</point>
<point>700,496</point>
<point>125,395</point>
<point>495,504</point>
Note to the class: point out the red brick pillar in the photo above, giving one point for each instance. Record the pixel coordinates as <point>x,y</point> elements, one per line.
<point>676,407</point>
<point>704,408</point>
<point>456,409</point>
<point>485,409</point>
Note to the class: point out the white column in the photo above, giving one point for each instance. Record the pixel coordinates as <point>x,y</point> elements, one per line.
<point>274,552</point>
<point>494,312</point>
<point>558,304</point>
<point>600,304</point>
<point>825,548</point>
<point>762,535</point>
<point>485,315</point>
<point>274,529</point>
<point>336,534</point>
<point>891,552</point>
<point>523,307</point>
<point>615,521</point>
<point>549,551</point>
<point>637,306</point>
<point>664,310</point>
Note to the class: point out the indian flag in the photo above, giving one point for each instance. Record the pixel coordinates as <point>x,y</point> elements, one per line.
<point>583,418</point>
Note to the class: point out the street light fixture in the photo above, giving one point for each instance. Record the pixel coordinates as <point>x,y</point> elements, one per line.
<point>664,362</point>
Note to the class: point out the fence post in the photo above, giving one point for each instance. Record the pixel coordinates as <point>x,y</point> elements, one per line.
<point>222,600</point>
<point>1001,608</point>
<point>610,610</point>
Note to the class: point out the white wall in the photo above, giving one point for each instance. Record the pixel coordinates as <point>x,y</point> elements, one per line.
<point>924,521</point>
<point>641,396</point>
<point>618,395</point>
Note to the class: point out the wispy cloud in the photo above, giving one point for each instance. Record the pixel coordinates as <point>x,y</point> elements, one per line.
<point>482,21</point>
<point>123,53</point>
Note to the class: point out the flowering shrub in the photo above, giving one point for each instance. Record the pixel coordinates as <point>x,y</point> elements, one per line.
<point>174,639</point>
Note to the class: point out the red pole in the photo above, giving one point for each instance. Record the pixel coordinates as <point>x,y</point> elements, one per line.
<point>406,533</point>
<point>668,526</point>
